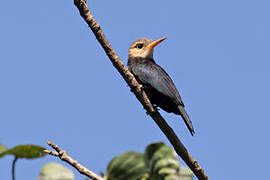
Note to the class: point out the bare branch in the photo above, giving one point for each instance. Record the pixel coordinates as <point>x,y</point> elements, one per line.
<point>138,91</point>
<point>65,157</point>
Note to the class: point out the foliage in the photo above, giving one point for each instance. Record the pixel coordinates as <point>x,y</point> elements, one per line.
<point>2,148</point>
<point>55,171</point>
<point>23,151</point>
<point>158,162</point>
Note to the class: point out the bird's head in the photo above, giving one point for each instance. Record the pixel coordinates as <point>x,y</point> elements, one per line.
<point>143,48</point>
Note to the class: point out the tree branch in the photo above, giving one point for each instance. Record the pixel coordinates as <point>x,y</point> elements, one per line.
<point>65,157</point>
<point>138,91</point>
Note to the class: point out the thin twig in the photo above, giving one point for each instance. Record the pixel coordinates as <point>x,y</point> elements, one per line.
<point>65,157</point>
<point>138,91</point>
<point>13,167</point>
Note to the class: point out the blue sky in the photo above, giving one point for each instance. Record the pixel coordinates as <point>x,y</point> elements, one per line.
<point>57,83</point>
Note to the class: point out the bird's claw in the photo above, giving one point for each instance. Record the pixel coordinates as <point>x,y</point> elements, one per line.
<point>155,107</point>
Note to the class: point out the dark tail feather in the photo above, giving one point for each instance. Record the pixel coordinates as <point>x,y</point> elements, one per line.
<point>187,120</point>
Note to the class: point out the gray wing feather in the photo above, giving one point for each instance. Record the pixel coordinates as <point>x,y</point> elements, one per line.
<point>154,75</point>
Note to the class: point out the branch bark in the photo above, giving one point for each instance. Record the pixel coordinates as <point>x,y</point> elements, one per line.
<point>65,157</point>
<point>138,91</point>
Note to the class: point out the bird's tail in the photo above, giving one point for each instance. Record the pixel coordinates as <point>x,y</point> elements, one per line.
<point>187,120</point>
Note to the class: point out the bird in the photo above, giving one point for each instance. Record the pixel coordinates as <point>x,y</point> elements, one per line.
<point>155,81</point>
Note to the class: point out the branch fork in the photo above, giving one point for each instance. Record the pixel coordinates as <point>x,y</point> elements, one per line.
<point>65,157</point>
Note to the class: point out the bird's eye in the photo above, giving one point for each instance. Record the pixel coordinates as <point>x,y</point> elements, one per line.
<point>139,46</point>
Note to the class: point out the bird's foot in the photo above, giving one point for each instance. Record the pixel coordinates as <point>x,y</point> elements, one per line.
<point>155,107</point>
<point>140,87</point>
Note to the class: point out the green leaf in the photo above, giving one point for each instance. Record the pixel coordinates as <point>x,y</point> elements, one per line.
<point>55,171</point>
<point>2,148</point>
<point>25,151</point>
<point>159,162</point>
<point>186,173</point>
<point>162,162</point>
<point>129,165</point>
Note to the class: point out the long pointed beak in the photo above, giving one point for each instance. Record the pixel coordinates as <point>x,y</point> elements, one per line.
<point>153,44</point>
